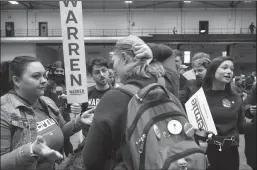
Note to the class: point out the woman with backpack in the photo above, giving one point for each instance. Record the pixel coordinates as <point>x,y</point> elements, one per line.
<point>106,132</point>
<point>227,111</point>
<point>32,128</point>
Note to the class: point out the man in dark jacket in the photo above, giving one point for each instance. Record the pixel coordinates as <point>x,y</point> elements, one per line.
<point>250,136</point>
<point>200,66</point>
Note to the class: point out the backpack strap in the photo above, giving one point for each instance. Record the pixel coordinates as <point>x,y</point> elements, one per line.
<point>129,89</point>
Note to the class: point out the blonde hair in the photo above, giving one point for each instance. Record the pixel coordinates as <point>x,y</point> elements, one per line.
<point>142,69</point>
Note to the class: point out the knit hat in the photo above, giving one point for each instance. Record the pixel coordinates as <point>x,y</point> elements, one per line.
<point>127,44</point>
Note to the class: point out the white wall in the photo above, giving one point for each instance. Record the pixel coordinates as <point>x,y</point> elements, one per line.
<point>9,51</point>
<point>160,19</point>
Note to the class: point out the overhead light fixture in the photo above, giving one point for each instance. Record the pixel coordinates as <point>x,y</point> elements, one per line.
<point>128,2</point>
<point>13,2</point>
<point>202,31</point>
<point>187,1</point>
<point>247,1</point>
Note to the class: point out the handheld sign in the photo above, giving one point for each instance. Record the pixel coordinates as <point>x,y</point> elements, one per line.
<point>189,75</point>
<point>198,112</point>
<point>74,51</point>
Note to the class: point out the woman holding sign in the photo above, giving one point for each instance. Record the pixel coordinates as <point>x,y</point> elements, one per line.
<point>227,111</point>
<point>32,128</point>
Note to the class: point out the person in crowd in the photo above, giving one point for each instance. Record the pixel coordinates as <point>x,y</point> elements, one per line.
<point>182,69</point>
<point>174,30</point>
<point>56,90</point>
<point>32,128</point>
<point>253,74</point>
<point>4,77</point>
<point>190,74</point>
<point>98,69</point>
<point>243,77</point>
<point>252,27</point>
<point>112,79</point>
<point>237,86</point>
<point>250,136</point>
<point>164,56</point>
<point>105,134</point>
<point>249,81</point>
<point>227,111</point>
<point>179,58</point>
<point>200,66</point>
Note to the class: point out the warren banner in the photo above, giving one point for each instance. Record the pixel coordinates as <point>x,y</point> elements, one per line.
<point>74,51</point>
<point>198,112</point>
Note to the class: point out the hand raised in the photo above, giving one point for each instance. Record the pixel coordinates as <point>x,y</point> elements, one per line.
<point>87,116</point>
<point>143,51</point>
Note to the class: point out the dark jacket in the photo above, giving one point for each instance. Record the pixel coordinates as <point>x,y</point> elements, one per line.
<point>189,90</point>
<point>250,100</point>
<point>105,134</point>
<point>250,136</point>
<point>19,129</point>
<point>161,53</point>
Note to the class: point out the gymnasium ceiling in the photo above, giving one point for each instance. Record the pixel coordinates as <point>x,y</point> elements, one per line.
<point>136,4</point>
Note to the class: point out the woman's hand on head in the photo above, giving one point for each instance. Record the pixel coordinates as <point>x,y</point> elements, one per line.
<point>142,51</point>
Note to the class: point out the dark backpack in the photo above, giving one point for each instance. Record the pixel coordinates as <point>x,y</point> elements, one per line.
<point>158,134</point>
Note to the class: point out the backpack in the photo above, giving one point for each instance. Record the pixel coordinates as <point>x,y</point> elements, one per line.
<point>158,134</point>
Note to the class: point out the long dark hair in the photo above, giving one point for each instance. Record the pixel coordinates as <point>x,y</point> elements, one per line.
<point>4,77</point>
<point>210,74</point>
<point>15,67</point>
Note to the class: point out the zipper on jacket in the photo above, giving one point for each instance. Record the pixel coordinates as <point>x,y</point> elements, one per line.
<point>142,143</point>
<point>180,155</point>
<point>142,110</point>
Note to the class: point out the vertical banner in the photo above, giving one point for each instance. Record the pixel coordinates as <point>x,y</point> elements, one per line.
<point>74,51</point>
<point>198,112</point>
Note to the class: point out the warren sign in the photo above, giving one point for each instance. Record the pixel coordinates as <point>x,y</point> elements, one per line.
<point>74,51</point>
<point>198,112</point>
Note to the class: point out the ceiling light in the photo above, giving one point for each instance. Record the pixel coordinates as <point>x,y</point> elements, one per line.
<point>202,31</point>
<point>13,2</point>
<point>187,1</point>
<point>128,2</point>
<point>247,1</point>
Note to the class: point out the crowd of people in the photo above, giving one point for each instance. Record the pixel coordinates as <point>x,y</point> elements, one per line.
<point>37,122</point>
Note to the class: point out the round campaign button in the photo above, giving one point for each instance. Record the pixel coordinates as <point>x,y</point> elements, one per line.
<point>174,127</point>
<point>189,130</point>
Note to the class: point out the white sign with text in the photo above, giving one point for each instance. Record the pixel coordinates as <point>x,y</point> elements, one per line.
<point>74,51</point>
<point>198,112</point>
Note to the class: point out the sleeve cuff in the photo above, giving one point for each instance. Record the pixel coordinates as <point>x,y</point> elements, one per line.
<point>26,153</point>
<point>78,123</point>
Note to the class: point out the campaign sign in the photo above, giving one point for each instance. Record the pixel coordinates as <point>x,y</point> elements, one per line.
<point>198,112</point>
<point>74,51</point>
<point>189,75</point>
